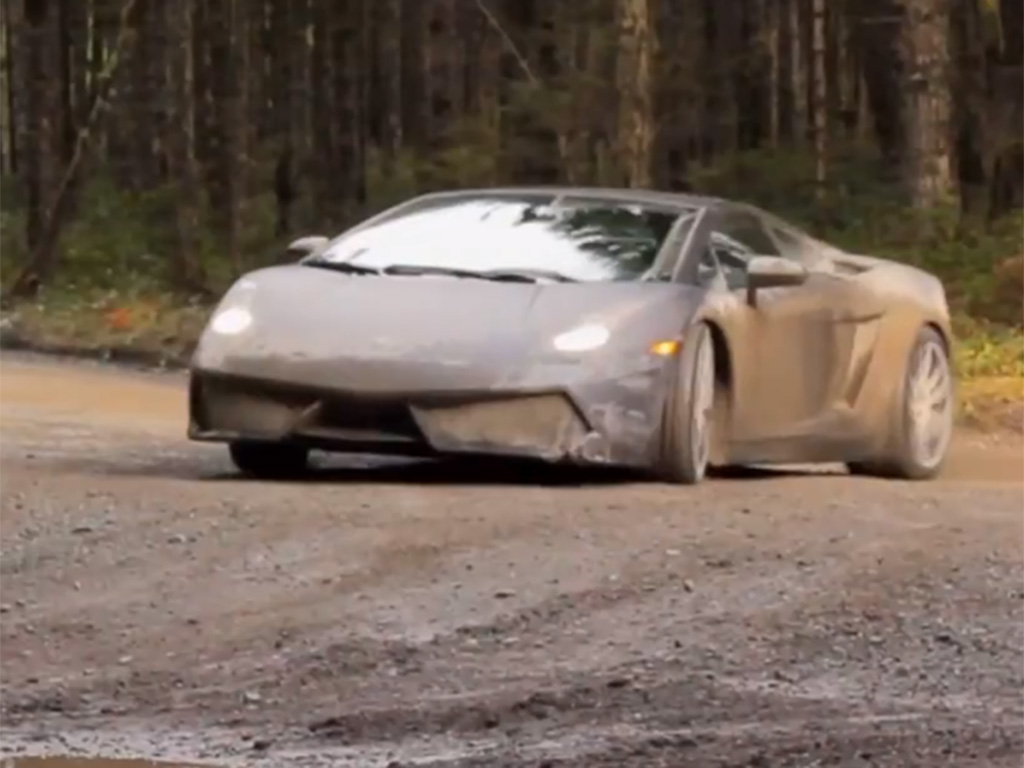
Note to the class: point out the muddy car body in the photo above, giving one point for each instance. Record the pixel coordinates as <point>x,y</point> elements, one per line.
<point>651,330</point>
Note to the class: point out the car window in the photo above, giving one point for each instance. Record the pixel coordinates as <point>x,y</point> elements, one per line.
<point>708,268</point>
<point>792,246</point>
<point>732,257</point>
<point>734,242</point>
<point>748,230</point>
<point>579,238</point>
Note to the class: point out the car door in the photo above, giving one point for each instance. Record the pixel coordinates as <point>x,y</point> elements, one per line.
<point>855,314</point>
<point>786,361</point>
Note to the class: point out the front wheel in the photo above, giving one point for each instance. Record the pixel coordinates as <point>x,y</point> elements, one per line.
<point>268,460</point>
<point>687,422</point>
<point>924,421</point>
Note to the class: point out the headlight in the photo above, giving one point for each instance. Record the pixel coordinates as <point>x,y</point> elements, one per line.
<point>582,339</point>
<point>231,321</point>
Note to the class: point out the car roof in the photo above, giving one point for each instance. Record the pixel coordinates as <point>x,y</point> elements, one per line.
<point>642,196</point>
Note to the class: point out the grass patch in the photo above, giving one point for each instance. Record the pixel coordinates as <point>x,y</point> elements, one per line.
<point>989,360</point>
<point>987,350</point>
<point>990,403</point>
<point>161,329</point>
<point>155,329</point>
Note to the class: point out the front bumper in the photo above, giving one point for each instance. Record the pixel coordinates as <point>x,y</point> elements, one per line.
<point>547,425</point>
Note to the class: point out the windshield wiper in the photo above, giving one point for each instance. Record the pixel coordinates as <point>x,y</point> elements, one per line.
<point>528,275</point>
<point>416,269</point>
<point>342,266</point>
<point>509,275</point>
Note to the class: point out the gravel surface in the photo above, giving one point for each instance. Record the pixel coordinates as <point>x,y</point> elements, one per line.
<point>154,604</point>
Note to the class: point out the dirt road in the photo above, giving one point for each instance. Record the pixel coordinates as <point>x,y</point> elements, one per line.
<point>155,604</point>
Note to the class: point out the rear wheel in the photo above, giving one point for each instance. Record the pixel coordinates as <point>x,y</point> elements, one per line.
<point>269,460</point>
<point>687,428</point>
<point>924,420</point>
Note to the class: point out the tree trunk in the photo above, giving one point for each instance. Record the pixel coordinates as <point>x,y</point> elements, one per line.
<point>11,105</point>
<point>67,119</point>
<point>322,119</point>
<point>415,64</point>
<point>877,24</point>
<point>797,71</point>
<point>820,100</point>
<point>928,130</point>
<point>482,76</point>
<point>227,130</point>
<point>300,110</point>
<point>347,159</point>
<point>973,136</point>
<point>279,58</point>
<point>339,163</point>
<point>445,71</point>
<point>38,81</point>
<point>186,270</point>
<point>141,132</point>
<point>633,78</point>
<point>132,138</point>
<point>848,76</point>
<point>1006,110</point>
<point>389,30</point>
<point>43,261</point>
<point>772,42</point>
<point>277,105</point>
<point>259,86</point>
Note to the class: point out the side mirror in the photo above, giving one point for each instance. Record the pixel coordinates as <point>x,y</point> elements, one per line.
<point>772,272</point>
<point>307,246</point>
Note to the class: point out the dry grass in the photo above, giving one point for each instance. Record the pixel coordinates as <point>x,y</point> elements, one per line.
<point>149,329</point>
<point>993,403</point>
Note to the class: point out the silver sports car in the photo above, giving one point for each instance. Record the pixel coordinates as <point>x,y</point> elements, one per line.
<point>642,329</point>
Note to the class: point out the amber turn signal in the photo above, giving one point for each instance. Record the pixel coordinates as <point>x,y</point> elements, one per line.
<point>665,348</point>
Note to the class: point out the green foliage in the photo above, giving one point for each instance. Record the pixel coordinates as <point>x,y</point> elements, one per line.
<point>114,239</point>
<point>387,183</point>
<point>782,180</point>
<point>468,158</point>
<point>863,209</point>
<point>985,350</point>
<point>97,321</point>
<point>122,240</point>
<point>966,255</point>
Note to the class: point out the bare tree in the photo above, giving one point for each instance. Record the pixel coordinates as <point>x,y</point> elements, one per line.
<point>928,130</point>
<point>10,22</point>
<point>820,103</point>
<point>772,33</point>
<point>388,30</point>
<point>186,271</point>
<point>633,77</point>
<point>44,233</point>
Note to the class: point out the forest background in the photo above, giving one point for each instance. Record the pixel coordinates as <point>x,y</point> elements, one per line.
<point>152,150</point>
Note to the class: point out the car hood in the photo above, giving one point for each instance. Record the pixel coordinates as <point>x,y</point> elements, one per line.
<point>307,317</point>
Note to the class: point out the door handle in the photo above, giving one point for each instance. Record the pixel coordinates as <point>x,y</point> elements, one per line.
<point>856,319</point>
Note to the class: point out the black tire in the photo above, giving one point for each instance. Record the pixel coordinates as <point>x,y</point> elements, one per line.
<point>684,452</point>
<point>269,460</point>
<point>903,460</point>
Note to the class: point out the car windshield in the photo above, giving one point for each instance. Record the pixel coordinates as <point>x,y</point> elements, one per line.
<point>559,238</point>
